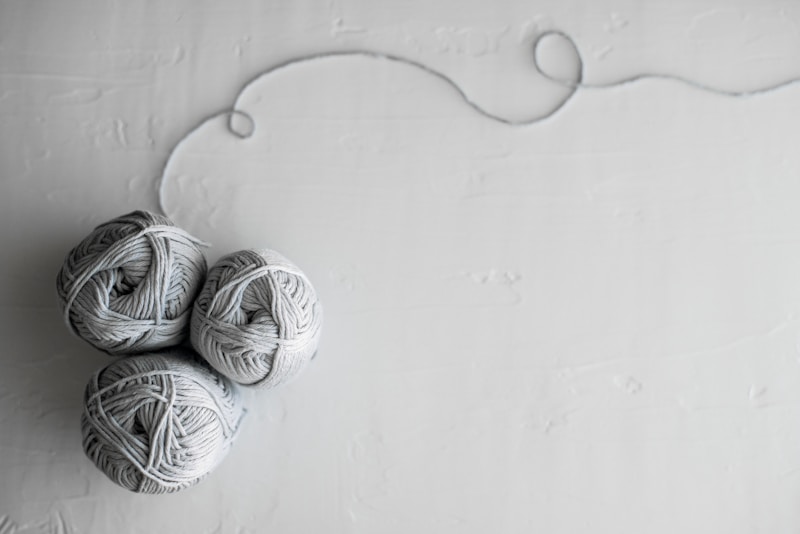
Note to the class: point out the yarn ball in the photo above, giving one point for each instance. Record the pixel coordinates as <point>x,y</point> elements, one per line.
<point>159,423</point>
<point>128,287</point>
<point>257,319</point>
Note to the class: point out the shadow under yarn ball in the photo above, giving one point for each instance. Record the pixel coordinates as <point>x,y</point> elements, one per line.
<point>128,287</point>
<point>257,319</point>
<point>159,423</point>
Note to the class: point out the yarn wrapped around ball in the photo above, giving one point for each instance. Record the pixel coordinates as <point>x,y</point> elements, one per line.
<point>257,319</point>
<point>159,423</point>
<point>128,287</point>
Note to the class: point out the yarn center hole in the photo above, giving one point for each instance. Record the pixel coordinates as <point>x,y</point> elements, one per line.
<point>123,284</point>
<point>138,427</point>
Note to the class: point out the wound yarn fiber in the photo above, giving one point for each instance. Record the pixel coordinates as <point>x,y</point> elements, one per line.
<point>128,287</point>
<point>257,319</point>
<point>159,423</point>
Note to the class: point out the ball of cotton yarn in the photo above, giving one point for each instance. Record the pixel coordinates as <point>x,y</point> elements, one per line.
<point>257,319</point>
<point>128,287</point>
<point>159,423</point>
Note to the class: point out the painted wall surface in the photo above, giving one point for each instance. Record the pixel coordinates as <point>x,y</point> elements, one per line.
<point>586,325</point>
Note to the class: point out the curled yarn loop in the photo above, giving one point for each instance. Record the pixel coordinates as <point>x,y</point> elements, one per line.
<point>257,319</point>
<point>128,287</point>
<point>159,423</point>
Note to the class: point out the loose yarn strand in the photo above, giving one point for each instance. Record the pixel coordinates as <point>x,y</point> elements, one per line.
<point>572,87</point>
<point>674,78</point>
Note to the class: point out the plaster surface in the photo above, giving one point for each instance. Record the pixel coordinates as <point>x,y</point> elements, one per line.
<point>587,324</point>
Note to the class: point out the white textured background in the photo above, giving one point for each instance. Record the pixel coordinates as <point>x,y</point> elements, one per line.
<point>589,325</point>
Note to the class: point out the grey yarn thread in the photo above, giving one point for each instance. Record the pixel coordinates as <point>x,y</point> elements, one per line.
<point>257,319</point>
<point>128,287</point>
<point>571,87</point>
<point>159,423</point>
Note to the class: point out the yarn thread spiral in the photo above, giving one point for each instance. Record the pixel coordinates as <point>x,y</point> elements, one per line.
<point>257,319</point>
<point>159,423</point>
<point>128,287</point>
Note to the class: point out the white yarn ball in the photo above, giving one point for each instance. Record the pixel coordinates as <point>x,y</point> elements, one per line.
<point>159,423</point>
<point>129,286</point>
<point>257,319</point>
